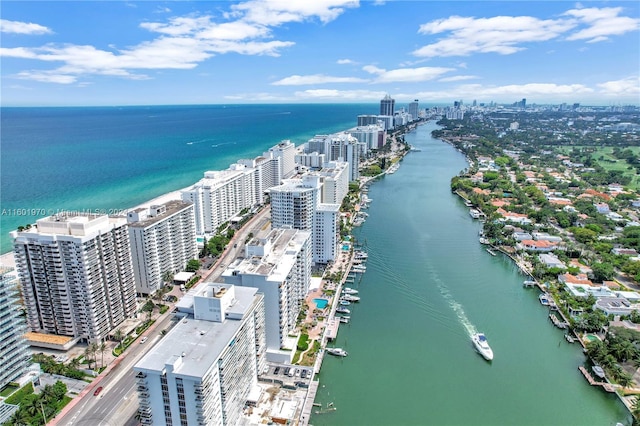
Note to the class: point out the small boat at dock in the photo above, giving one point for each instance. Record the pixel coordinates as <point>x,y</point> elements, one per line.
<point>349,290</point>
<point>337,351</point>
<point>491,252</point>
<point>341,310</point>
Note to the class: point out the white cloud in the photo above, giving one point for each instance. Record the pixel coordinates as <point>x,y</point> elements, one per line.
<point>16,27</point>
<point>183,41</point>
<point>626,87</point>
<point>499,34</point>
<point>506,35</point>
<point>405,74</point>
<point>602,23</point>
<point>458,78</point>
<point>334,94</point>
<point>278,12</point>
<point>299,80</point>
<point>345,62</point>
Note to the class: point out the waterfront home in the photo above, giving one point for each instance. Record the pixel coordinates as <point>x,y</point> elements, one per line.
<point>520,236</point>
<point>580,279</point>
<point>584,269</point>
<point>537,246</point>
<point>551,261</point>
<point>615,306</point>
<point>522,219</point>
<point>586,290</point>
<point>543,236</point>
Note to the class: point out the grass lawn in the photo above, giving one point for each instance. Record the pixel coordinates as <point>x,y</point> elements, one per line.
<point>604,157</point>
<point>8,390</point>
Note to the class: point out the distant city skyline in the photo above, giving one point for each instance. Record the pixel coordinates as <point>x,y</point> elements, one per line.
<point>60,53</point>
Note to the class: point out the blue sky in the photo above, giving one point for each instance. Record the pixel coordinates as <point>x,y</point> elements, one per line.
<point>82,53</point>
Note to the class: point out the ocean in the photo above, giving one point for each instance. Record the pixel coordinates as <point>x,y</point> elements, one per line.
<point>114,158</point>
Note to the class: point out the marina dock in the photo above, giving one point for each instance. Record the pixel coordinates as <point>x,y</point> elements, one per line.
<point>606,386</point>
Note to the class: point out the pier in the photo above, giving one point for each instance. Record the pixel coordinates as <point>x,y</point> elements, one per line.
<point>606,386</point>
<point>560,324</point>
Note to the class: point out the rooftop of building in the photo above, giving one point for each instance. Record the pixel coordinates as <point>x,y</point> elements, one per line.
<point>47,338</point>
<point>197,343</point>
<point>171,207</point>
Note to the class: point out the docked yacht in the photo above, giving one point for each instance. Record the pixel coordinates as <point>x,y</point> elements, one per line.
<point>599,371</point>
<point>337,351</point>
<point>349,290</point>
<point>350,298</point>
<point>345,319</point>
<point>482,345</point>
<point>345,302</point>
<point>342,310</point>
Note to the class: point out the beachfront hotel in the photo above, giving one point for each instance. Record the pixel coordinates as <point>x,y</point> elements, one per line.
<point>222,195</point>
<point>203,370</point>
<point>76,274</point>
<point>163,240</point>
<point>15,357</point>
<point>279,266</point>
<point>373,136</point>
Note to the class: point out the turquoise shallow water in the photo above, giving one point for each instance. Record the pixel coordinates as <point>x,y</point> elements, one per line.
<point>429,284</point>
<point>117,157</point>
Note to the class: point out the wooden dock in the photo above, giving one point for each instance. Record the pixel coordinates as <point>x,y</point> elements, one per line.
<point>606,386</point>
<point>554,319</point>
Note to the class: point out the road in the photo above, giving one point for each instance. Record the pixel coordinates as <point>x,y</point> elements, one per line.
<point>117,403</point>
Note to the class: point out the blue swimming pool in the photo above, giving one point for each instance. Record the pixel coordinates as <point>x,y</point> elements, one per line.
<point>345,247</point>
<point>321,303</point>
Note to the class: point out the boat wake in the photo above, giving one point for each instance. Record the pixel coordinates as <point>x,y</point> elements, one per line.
<point>454,305</point>
<point>404,287</point>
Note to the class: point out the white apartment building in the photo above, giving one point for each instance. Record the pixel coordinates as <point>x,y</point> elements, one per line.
<point>312,160</point>
<point>339,147</point>
<point>286,152</point>
<point>294,202</point>
<point>279,266</point>
<point>202,371</point>
<point>76,274</point>
<point>14,350</point>
<point>372,136</point>
<point>326,233</point>
<point>220,196</point>
<point>334,179</point>
<point>163,240</point>
<point>305,204</point>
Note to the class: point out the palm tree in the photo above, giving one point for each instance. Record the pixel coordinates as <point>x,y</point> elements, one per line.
<point>624,379</point>
<point>635,409</point>
<point>118,335</point>
<point>625,350</point>
<point>102,347</point>
<point>88,354</point>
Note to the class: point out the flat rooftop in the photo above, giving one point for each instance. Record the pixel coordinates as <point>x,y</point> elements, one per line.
<point>198,342</point>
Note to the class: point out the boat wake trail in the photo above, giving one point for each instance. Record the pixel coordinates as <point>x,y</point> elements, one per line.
<point>400,284</point>
<point>455,306</point>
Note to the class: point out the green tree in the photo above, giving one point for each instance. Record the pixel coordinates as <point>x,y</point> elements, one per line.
<point>148,308</point>
<point>118,335</point>
<point>193,265</point>
<point>602,271</point>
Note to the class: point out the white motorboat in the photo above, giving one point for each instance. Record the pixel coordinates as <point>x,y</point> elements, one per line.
<point>350,298</point>
<point>341,310</point>
<point>349,290</point>
<point>345,319</point>
<point>337,351</point>
<point>345,303</point>
<point>482,345</point>
<point>599,371</point>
